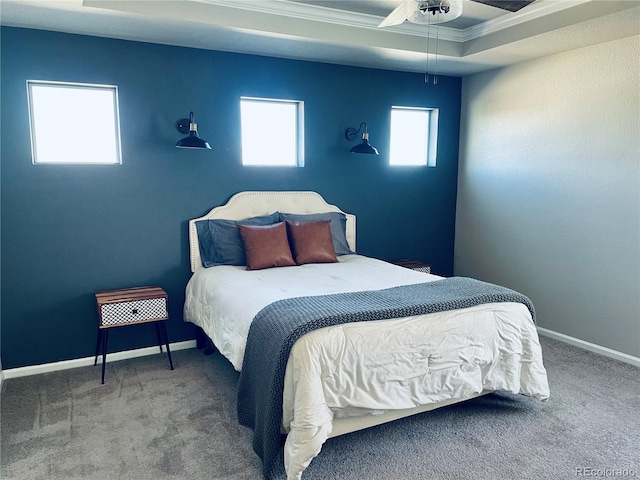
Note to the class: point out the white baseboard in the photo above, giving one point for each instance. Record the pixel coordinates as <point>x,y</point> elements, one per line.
<point>141,352</point>
<point>88,361</point>
<point>592,347</point>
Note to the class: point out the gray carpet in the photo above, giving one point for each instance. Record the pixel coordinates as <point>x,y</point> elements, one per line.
<point>148,422</point>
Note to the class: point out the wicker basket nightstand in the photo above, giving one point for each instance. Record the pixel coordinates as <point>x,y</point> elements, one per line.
<point>129,306</point>
<point>413,265</point>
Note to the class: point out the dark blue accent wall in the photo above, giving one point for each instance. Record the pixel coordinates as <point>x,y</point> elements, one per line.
<point>68,231</point>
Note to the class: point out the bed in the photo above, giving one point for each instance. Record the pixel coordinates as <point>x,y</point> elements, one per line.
<point>352,374</point>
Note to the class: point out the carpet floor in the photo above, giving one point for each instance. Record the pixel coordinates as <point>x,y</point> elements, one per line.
<point>148,422</point>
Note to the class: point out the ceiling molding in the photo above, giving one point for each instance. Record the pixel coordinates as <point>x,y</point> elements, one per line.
<point>542,9</point>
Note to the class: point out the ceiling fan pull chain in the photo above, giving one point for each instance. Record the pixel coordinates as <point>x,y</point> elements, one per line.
<point>426,73</point>
<point>435,72</point>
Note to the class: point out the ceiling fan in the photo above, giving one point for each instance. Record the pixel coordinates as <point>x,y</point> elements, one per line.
<point>440,11</point>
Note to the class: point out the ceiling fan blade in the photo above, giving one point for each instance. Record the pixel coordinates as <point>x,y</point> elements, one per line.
<point>510,5</point>
<point>401,13</point>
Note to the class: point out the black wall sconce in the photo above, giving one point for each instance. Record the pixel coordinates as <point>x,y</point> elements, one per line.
<point>187,125</point>
<point>364,146</point>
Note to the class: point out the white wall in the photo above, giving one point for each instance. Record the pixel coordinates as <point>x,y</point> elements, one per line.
<point>549,189</point>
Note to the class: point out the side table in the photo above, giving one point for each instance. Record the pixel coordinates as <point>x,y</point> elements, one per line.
<point>130,306</point>
<point>413,265</point>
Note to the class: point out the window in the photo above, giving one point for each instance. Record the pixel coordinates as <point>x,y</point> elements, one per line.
<point>73,123</point>
<point>414,134</point>
<point>272,132</point>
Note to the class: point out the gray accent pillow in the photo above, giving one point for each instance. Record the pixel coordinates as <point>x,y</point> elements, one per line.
<point>338,227</point>
<point>220,243</point>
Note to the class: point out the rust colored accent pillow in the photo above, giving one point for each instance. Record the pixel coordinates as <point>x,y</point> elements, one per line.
<point>311,242</point>
<point>266,246</point>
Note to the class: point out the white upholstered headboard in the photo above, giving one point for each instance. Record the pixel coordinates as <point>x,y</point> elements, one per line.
<point>253,204</point>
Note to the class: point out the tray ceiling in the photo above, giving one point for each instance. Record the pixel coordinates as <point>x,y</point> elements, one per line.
<point>343,32</point>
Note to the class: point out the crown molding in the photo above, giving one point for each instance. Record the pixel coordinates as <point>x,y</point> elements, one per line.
<point>541,9</point>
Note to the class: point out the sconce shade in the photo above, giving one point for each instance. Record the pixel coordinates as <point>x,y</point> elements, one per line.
<point>364,146</point>
<point>193,140</point>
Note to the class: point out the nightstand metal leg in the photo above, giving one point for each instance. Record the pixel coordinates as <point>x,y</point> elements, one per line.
<point>105,341</point>
<point>163,327</point>
<point>159,336</point>
<point>95,361</point>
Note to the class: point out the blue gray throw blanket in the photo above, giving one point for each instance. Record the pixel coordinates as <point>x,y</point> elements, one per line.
<point>277,326</point>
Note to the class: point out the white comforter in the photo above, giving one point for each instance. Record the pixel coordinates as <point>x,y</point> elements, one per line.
<point>368,367</point>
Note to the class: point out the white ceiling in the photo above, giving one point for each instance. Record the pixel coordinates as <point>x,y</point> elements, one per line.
<point>343,32</point>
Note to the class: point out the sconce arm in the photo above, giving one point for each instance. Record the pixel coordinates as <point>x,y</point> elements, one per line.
<point>352,133</point>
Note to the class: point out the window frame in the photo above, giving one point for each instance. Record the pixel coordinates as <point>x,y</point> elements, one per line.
<point>78,86</point>
<point>431,134</point>
<point>299,133</point>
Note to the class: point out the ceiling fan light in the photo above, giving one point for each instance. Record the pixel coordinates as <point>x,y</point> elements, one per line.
<point>433,17</point>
